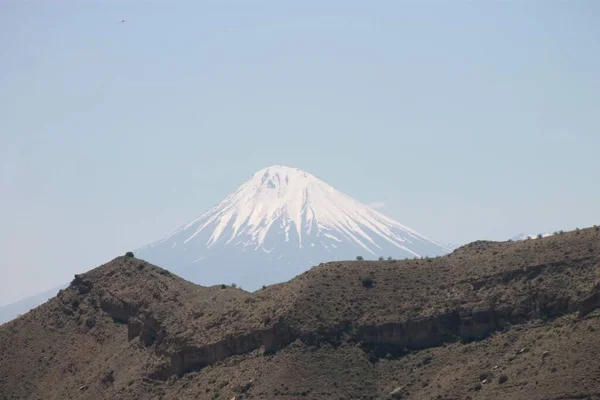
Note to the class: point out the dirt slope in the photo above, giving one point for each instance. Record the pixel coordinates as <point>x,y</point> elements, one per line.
<point>490,321</point>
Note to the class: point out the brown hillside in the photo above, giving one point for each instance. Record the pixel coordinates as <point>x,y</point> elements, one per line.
<point>490,321</point>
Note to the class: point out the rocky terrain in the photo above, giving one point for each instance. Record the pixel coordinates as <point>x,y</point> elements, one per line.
<point>492,320</point>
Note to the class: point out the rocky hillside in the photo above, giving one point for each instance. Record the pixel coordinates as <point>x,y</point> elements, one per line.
<point>489,321</point>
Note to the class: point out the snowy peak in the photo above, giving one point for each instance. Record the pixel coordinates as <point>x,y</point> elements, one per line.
<point>288,218</point>
<point>271,194</point>
<point>294,201</point>
<point>281,178</point>
<point>274,193</point>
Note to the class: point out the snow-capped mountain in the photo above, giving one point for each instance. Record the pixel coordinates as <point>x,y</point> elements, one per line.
<point>522,236</point>
<point>276,225</point>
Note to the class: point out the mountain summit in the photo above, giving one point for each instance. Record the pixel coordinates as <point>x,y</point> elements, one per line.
<point>276,225</point>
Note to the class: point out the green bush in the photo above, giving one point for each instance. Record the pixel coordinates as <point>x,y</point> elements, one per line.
<point>359,258</point>
<point>502,378</point>
<point>129,254</point>
<point>483,375</point>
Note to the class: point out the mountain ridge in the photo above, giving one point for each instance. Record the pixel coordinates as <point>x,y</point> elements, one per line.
<point>492,320</point>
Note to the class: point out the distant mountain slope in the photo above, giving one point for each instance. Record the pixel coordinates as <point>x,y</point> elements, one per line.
<point>276,225</point>
<point>10,311</point>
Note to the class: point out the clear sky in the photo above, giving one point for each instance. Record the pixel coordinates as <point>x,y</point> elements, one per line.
<point>468,120</point>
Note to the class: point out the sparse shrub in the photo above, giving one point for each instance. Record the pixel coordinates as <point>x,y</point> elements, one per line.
<point>502,378</point>
<point>483,375</point>
<point>390,259</point>
<point>380,258</point>
<point>367,281</point>
<point>414,312</point>
<point>561,232</point>
<point>359,258</point>
<point>555,233</point>
<point>223,384</point>
<point>77,280</point>
<point>109,377</point>
<point>223,286</point>
<point>264,287</point>
<point>539,236</point>
<point>243,388</point>
<point>129,254</point>
<point>233,285</point>
<point>75,303</point>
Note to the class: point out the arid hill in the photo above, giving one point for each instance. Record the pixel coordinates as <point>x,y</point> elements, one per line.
<point>489,321</point>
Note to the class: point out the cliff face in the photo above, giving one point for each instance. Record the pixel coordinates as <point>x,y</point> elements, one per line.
<point>490,320</point>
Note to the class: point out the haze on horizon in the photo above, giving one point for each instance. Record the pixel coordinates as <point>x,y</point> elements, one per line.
<point>461,120</point>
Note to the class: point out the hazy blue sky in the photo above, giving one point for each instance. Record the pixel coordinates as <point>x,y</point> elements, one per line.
<point>469,120</point>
